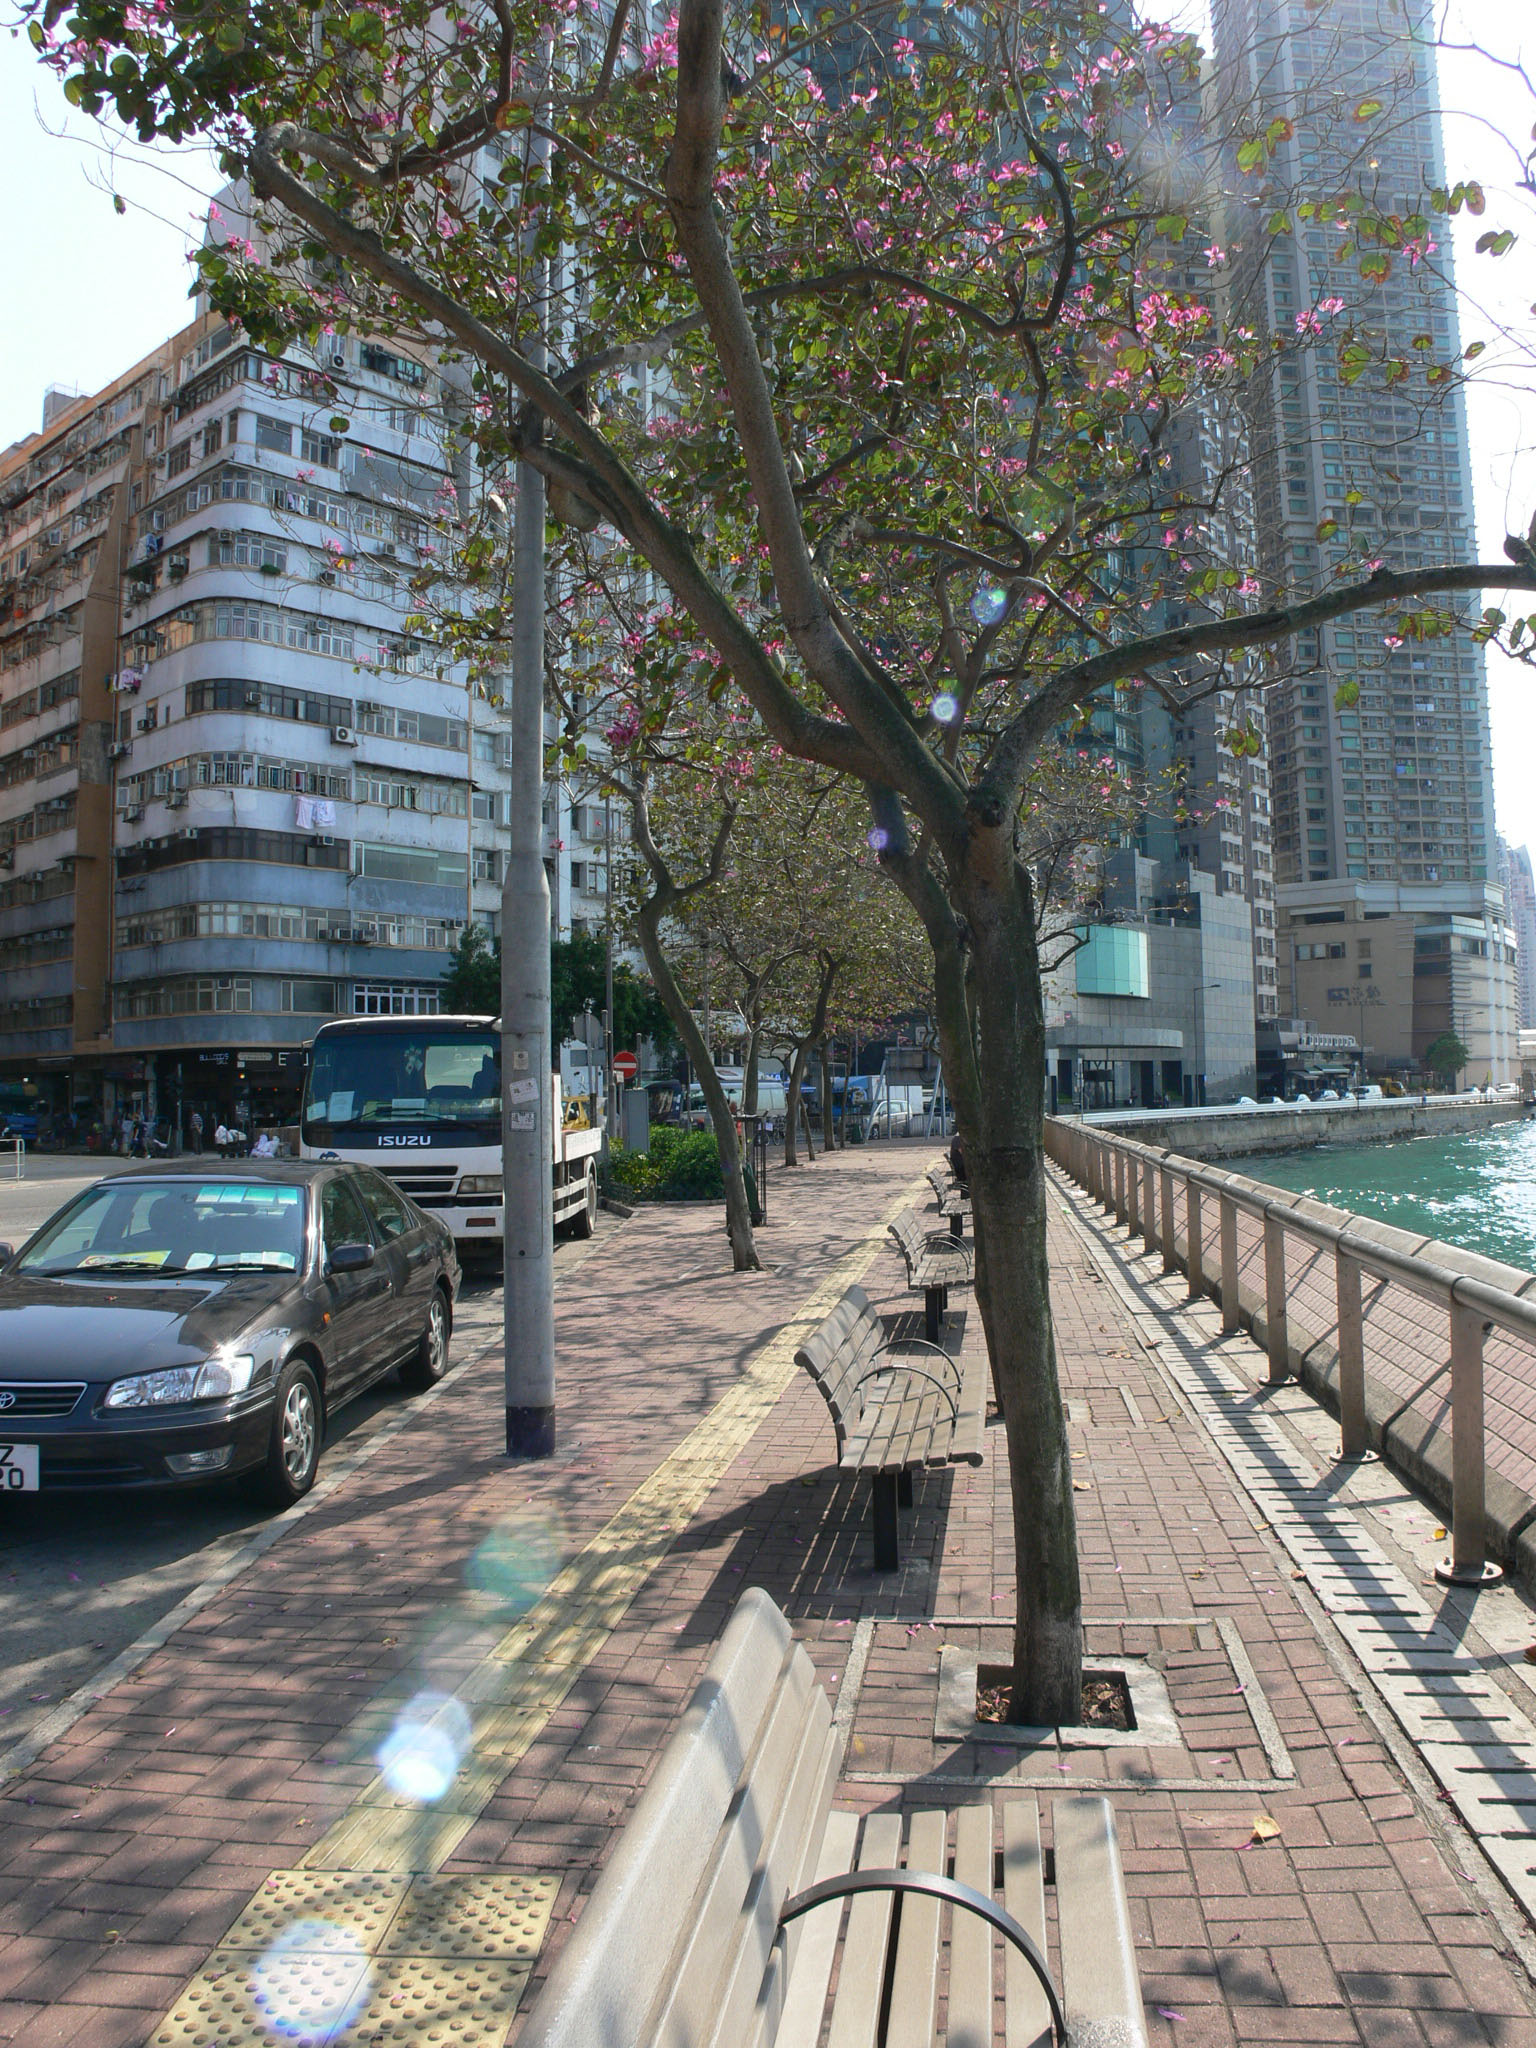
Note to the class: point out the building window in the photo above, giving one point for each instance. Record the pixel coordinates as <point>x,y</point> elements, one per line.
<point>311,998</point>
<point>394,999</point>
<point>272,434</point>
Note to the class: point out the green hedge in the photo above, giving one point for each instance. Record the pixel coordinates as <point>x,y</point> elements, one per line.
<point>680,1166</point>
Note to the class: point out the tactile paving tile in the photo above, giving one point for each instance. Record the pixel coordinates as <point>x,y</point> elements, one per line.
<point>364,1902</point>
<point>431,2002</point>
<point>486,1917</point>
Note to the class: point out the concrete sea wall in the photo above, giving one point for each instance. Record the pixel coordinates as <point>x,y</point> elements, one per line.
<point>1215,1134</point>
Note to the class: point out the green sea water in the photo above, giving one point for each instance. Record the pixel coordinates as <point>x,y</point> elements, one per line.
<point>1477,1190</point>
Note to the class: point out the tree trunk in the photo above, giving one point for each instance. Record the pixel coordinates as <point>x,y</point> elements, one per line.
<point>1000,1122</point>
<point>749,1071</point>
<point>738,1215</point>
<point>827,1105</point>
<point>794,1108</point>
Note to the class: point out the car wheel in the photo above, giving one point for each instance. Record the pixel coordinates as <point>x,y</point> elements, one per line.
<point>584,1222</point>
<point>293,1452</point>
<point>429,1361</point>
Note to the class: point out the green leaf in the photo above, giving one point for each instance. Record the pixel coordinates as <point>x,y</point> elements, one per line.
<point>1346,695</point>
<point>1367,110</point>
<point>340,424</point>
<point>1172,225</point>
<point>1495,244</point>
<point>1327,528</point>
<point>1476,202</point>
<point>1250,154</point>
<point>119,203</point>
<point>1473,350</point>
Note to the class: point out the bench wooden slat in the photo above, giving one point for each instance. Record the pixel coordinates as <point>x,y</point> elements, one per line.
<point>608,1978</point>
<point>774,1799</point>
<point>915,1980</point>
<point>812,1956</point>
<point>1027,2016</point>
<point>970,1938</point>
<point>1100,1988</point>
<point>861,1979</point>
<point>750,1998</point>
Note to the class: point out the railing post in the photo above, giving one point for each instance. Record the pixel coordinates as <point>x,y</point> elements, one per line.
<point>1170,1256</point>
<point>1194,1226</point>
<point>1149,1206</point>
<point>1121,1211</point>
<point>1228,1265</point>
<point>1467,1564</point>
<point>1274,1297</point>
<point>1132,1194</point>
<point>1351,1357</point>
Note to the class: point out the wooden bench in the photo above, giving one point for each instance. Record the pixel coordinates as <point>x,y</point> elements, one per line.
<point>950,1199</point>
<point>717,1922</point>
<point>892,1411</point>
<point>936,1261</point>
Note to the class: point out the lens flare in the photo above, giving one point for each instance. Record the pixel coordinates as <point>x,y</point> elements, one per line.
<point>989,603</point>
<point>945,708</point>
<point>879,839</point>
<point>313,1982</point>
<point>516,1561</point>
<point>421,1755</point>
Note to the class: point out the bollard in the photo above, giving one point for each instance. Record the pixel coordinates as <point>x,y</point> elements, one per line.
<point>1149,1206</point>
<point>1274,1296</point>
<point>1467,1564</point>
<point>1351,1359</point>
<point>1170,1254</point>
<point>1194,1264</point>
<point>1228,1265</point>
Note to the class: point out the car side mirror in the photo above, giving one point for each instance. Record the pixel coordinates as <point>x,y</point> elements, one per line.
<point>349,1258</point>
<point>7,1251</point>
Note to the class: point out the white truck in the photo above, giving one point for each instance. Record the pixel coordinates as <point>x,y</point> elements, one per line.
<point>420,1099</point>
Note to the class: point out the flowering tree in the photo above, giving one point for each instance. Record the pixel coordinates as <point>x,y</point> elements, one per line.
<point>865,350</point>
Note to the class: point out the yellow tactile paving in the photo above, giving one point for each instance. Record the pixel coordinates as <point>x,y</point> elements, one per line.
<point>375,1945</point>
<point>542,1655</point>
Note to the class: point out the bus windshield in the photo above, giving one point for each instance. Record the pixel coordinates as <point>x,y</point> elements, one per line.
<point>366,1080</point>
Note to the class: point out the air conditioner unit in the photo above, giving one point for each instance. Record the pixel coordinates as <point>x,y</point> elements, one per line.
<point>325,575</point>
<point>119,750</point>
<point>323,839</point>
<point>252,700</point>
<point>148,723</point>
<point>187,832</point>
<point>7,857</point>
<point>133,814</point>
<point>343,736</point>
<point>176,567</point>
<point>337,359</point>
<point>177,800</point>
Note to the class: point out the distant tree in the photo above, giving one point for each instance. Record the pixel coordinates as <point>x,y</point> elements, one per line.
<point>472,985</point>
<point>1445,1057</point>
<point>578,983</point>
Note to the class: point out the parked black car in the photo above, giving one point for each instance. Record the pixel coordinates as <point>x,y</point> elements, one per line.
<point>171,1324</point>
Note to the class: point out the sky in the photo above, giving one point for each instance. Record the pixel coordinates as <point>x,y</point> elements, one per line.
<point>90,291</point>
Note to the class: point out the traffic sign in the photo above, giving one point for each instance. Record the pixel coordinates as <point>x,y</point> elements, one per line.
<point>625,1066</point>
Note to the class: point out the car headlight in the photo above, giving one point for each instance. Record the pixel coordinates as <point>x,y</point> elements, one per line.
<point>480,1184</point>
<point>205,1382</point>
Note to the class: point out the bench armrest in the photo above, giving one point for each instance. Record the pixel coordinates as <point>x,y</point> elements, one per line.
<point>922,1373</point>
<point>922,1344</point>
<point>944,1241</point>
<point>963,1896</point>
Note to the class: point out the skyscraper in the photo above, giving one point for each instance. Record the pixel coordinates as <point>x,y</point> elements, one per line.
<point>1384,851</point>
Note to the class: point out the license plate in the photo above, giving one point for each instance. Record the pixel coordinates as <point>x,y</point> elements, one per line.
<point>19,1468</point>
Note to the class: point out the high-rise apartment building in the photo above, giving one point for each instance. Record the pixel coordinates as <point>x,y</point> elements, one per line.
<point>1384,852</point>
<point>238,793</point>
<point>1519,885</point>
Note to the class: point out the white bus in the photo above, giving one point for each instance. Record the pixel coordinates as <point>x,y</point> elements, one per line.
<point>420,1099</point>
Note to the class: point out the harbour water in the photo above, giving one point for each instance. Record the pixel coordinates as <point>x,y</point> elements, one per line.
<point>1477,1189</point>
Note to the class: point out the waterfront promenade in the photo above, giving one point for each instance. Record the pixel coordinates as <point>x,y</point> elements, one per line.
<point>223,1792</point>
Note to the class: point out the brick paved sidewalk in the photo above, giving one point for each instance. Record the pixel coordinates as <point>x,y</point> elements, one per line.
<point>692,1465</point>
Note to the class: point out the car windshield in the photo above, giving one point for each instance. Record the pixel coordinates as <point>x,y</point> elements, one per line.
<point>155,1228</point>
<point>363,1079</point>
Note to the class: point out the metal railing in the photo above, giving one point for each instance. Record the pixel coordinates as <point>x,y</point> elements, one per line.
<point>1143,1187</point>
<point>19,1145</point>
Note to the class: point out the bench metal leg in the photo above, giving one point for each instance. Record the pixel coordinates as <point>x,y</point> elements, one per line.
<point>887,1532</point>
<point>933,1312</point>
<point>904,1487</point>
<point>957,1227</point>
